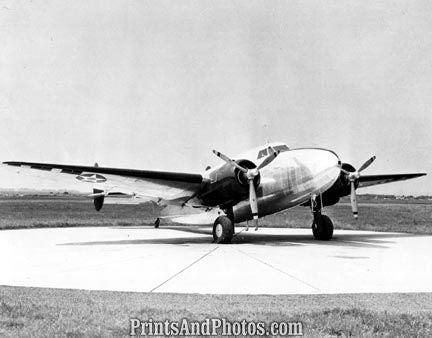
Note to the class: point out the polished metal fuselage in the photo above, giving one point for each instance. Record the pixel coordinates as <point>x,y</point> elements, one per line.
<point>290,180</point>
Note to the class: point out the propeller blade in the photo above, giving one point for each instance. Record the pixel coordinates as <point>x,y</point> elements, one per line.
<point>229,161</point>
<point>367,163</point>
<point>255,223</point>
<point>253,202</point>
<point>268,160</point>
<point>354,201</point>
<point>345,171</point>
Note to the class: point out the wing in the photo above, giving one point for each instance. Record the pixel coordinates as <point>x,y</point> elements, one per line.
<point>369,180</point>
<point>145,183</point>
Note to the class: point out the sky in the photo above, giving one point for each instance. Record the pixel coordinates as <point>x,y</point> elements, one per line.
<point>159,84</point>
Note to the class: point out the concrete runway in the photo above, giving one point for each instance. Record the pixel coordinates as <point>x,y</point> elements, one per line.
<point>183,259</point>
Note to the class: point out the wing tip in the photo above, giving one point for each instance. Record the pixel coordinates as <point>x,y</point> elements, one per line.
<point>14,163</point>
<point>417,175</point>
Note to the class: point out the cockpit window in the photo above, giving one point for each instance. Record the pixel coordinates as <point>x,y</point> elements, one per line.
<point>281,148</point>
<point>264,152</point>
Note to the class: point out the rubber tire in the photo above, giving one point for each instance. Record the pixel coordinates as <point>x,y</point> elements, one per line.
<point>227,228</point>
<point>322,228</point>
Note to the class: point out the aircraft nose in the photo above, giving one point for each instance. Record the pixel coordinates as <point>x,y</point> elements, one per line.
<point>322,164</point>
<point>324,160</point>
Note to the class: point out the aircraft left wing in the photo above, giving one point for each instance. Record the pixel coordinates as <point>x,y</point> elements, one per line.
<point>164,185</point>
<point>369,180</point>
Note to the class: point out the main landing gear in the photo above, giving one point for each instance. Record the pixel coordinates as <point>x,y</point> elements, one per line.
<point>322,226</point>
<point>223,228</point>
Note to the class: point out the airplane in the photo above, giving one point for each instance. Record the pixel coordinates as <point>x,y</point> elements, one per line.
<point>259,182</point>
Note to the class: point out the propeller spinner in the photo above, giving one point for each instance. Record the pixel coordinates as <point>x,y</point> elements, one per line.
<point>250,175</point>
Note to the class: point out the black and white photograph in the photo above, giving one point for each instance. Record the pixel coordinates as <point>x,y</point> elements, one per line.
<point>215,168</point>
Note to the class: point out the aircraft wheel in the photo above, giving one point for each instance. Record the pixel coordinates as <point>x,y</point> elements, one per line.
<point>223,230</point>
<point>322,228</point>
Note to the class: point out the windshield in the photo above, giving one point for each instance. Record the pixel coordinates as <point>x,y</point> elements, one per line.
<point>264,152</point>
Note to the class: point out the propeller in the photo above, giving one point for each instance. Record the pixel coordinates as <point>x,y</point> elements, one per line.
<point>352,177</point>
<point>250,175</point>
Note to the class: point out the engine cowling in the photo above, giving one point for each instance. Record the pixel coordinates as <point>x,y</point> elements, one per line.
<point>340,188</point>
<point>228,185</point>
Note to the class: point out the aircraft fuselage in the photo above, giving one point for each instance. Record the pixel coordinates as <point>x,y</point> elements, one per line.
<point>286,182</point>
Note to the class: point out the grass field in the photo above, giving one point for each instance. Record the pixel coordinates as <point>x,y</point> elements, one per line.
<point>75,313</point>
<point>378,215</point>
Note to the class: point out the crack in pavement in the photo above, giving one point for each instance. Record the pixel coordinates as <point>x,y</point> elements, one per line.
<point>184,269</point>
<point>277,269</point>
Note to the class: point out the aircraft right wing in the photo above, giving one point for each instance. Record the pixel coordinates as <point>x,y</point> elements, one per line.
<point>370,180</point>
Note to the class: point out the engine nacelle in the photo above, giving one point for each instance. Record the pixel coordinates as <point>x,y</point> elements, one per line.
<point>228,185</point>
<point>340,188</point>
<point>99,200</point>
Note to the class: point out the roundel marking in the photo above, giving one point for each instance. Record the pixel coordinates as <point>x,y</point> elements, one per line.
<point>91,178</point>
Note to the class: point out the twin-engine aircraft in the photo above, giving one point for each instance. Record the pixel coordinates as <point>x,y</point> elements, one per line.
<point>257,183</point>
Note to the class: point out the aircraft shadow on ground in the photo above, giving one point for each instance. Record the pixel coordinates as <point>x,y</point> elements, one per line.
<point>359,240</point>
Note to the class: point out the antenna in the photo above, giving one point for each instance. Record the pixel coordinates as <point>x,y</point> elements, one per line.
<point>265,127</point>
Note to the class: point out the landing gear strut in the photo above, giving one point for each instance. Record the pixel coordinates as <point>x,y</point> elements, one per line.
<point>322,226</point>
